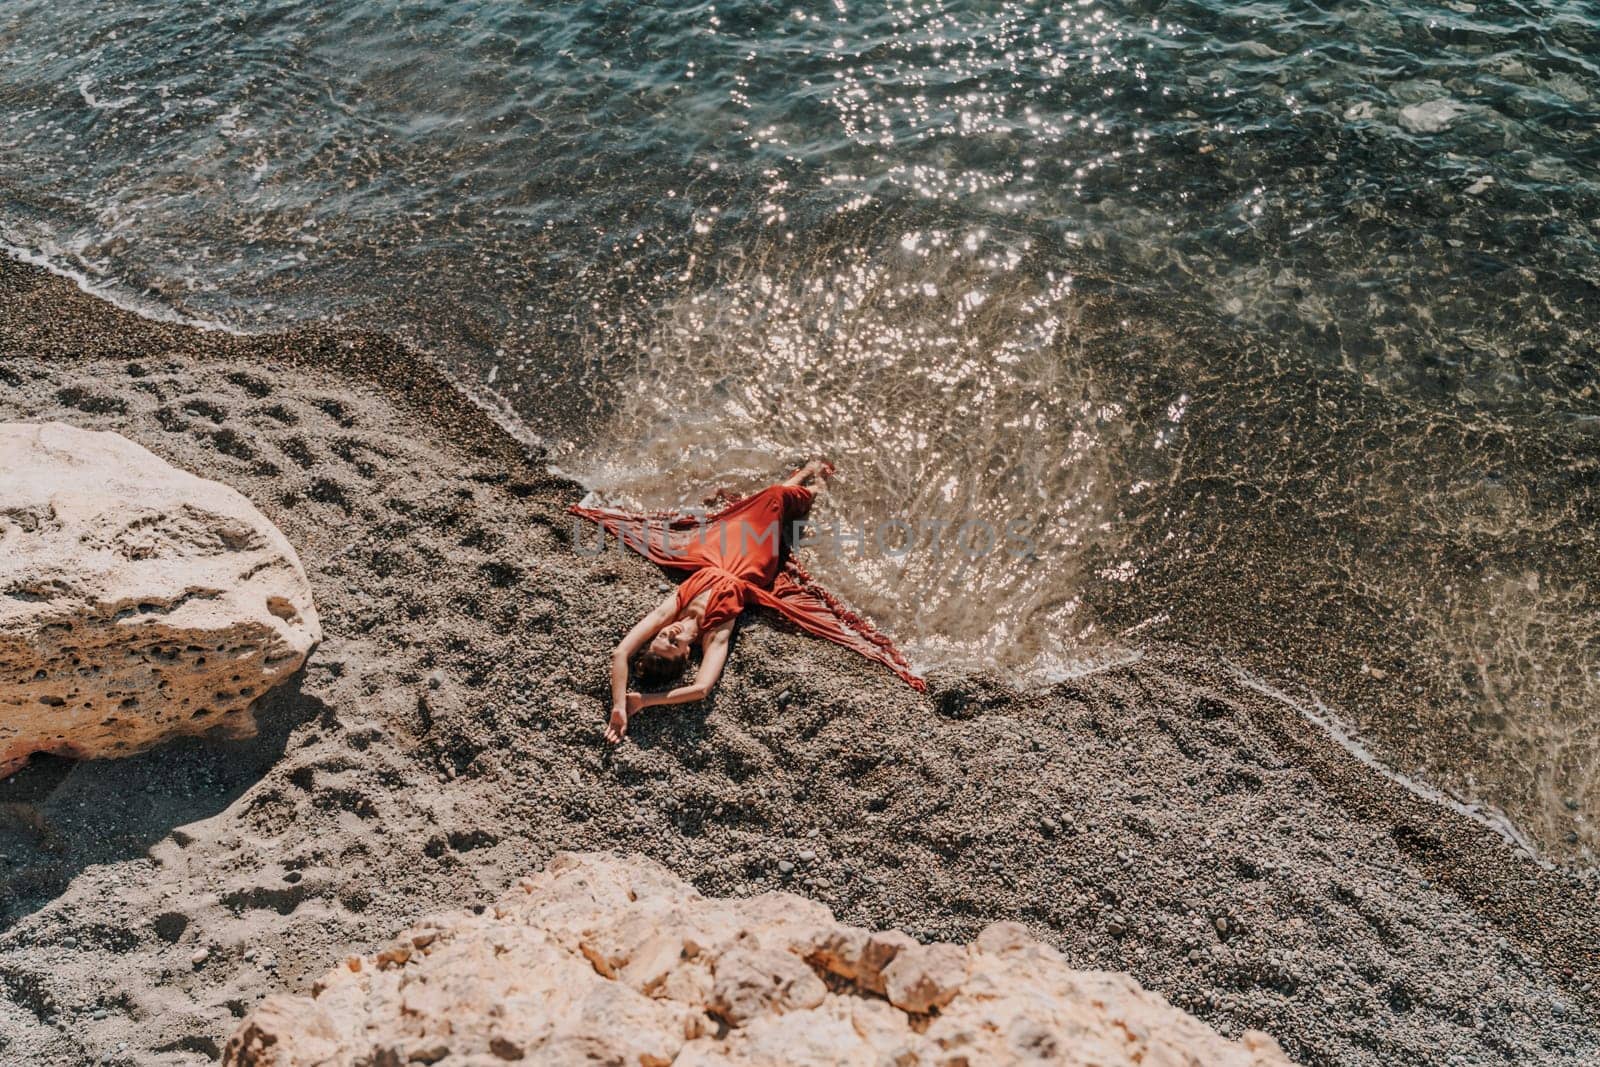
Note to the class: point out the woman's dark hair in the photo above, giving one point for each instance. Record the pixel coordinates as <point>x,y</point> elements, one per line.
<point>653,669</point>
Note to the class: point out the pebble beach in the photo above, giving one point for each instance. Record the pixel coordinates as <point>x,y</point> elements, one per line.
<point>1162,817</point>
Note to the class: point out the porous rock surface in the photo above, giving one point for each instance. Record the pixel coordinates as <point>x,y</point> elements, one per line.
<point>603,958</point>
<point>138,602</point>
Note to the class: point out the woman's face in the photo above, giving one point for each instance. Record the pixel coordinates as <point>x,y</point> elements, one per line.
<point>671,642</point>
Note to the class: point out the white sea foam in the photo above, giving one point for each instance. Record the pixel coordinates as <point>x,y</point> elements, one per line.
<point>111,295</point>
<point>86,90</point>
<point>491,403</point>
<point>1344,735</point>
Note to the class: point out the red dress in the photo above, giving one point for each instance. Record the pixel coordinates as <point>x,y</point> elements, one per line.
<point>740,555</point>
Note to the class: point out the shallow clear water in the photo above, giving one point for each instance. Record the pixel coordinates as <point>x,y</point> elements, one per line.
<point>1268,326</point>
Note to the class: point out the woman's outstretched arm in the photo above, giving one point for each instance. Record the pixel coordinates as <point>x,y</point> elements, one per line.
<point>713,655</point>
<point>637,638</point>
<point>809,471</point>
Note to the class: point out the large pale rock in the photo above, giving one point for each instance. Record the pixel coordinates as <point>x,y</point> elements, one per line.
<point>610,959</point>
<point>137,601</point>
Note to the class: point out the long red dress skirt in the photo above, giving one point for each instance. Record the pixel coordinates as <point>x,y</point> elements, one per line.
<point>740,555</point>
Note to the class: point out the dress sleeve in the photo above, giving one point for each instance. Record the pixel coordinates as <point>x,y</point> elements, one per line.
<point>813,609</point>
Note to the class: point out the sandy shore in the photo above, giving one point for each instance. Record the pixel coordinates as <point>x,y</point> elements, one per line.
<point>1161,818</point>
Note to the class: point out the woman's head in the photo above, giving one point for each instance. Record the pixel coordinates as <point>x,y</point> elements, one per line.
<point>668,651</point>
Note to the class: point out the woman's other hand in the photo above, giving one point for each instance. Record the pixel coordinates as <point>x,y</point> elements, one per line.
<point>617,728</point>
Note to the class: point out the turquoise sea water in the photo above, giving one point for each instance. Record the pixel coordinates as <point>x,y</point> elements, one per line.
<point>1274,324</point>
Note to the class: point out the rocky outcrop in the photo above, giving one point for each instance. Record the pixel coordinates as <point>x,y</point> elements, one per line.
<point>607,959</point>
<point>138,602</point>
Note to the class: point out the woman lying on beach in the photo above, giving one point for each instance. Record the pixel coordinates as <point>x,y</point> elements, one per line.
<point>737,558</point>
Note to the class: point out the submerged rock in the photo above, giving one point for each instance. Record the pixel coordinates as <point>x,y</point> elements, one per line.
<point>138,602</point>
<point>609,959</point>
<point>1431,116</point>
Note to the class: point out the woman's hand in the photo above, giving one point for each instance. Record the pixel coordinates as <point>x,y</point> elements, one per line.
<point>819,468</point>
<point>617,728</point>
<point>723,495</point>
<point>816,468</point>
